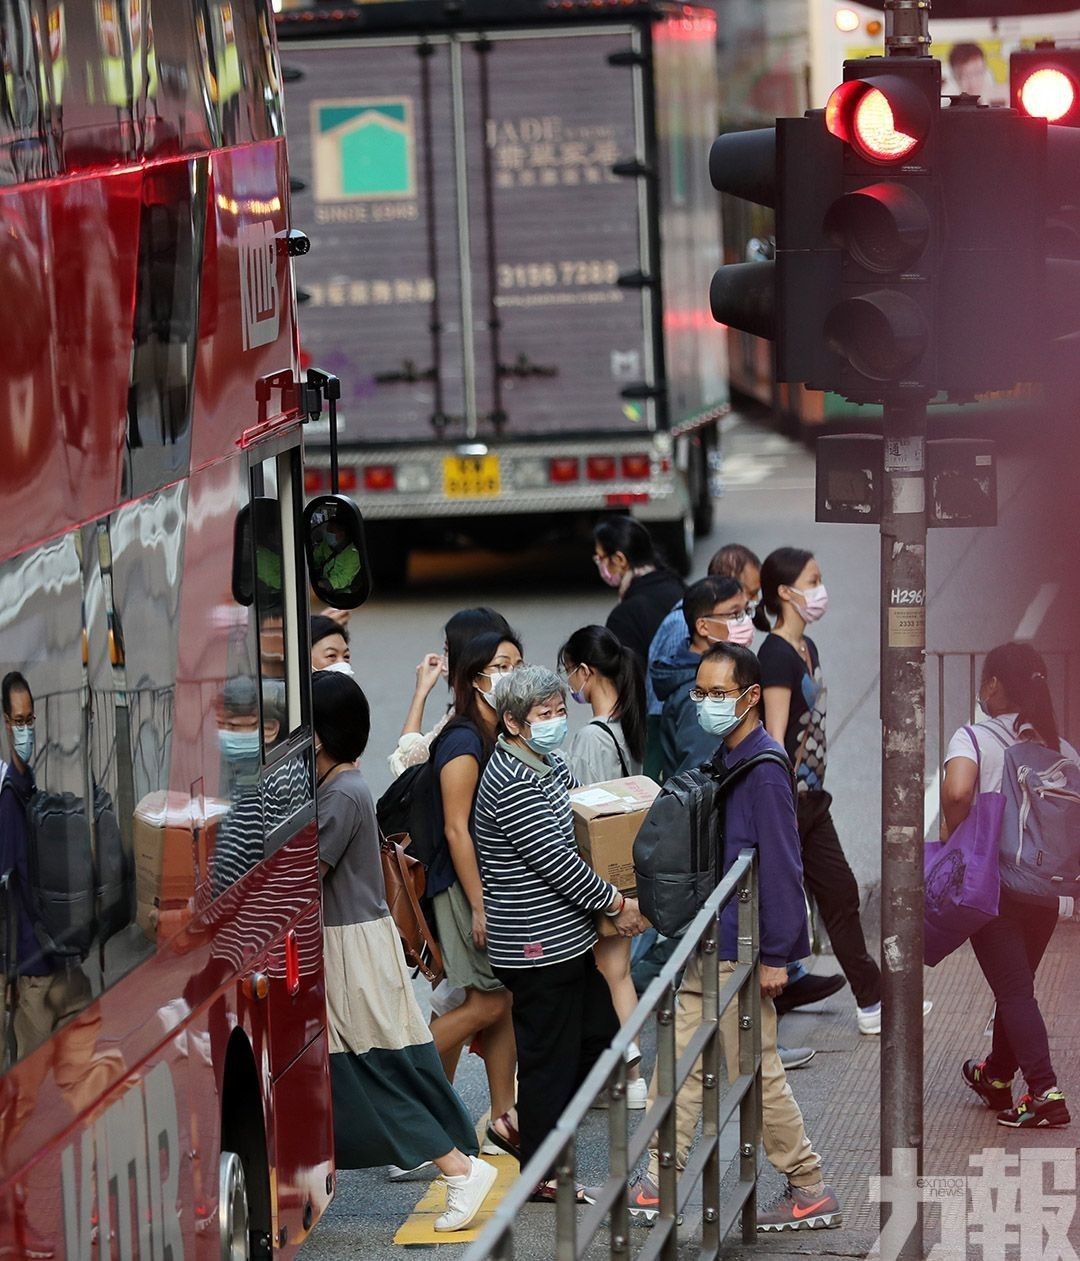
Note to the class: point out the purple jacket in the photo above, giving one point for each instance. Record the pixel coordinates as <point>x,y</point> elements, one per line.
<point>18,788</point>
<point>760,814</point>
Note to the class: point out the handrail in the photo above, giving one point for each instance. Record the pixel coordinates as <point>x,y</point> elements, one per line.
<point>573,1236</point>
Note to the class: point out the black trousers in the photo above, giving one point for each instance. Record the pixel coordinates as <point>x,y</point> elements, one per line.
<point>563,1022</point>
<point>836,891</point>
<point>1009,950</point>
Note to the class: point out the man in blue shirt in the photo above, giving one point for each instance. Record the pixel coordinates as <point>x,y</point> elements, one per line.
<point>759,814</point>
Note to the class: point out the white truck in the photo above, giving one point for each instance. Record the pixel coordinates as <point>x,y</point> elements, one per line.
<point>512,237</point>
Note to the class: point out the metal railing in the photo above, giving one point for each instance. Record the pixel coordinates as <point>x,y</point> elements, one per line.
<point>573,1234</point>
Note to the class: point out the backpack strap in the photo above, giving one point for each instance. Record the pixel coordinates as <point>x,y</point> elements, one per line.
<point>740,769</point>
<point>599,722</point>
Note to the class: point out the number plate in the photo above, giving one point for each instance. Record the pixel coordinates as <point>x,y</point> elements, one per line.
<point>471,477</point>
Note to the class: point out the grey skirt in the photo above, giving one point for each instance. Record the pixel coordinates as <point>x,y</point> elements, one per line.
<point>466,966</point>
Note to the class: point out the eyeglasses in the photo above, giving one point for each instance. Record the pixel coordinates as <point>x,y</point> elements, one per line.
<point>20,723</point>
<point>566,674</point>
<point>713,694</point>
<point>598,560</point>
<point>732,619</point>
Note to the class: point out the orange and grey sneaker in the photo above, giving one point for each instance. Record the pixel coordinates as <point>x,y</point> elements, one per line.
<point>802,1208</point>
<point>996,1094</point>
<point>644,1196</point>
<point>1037,1112</point>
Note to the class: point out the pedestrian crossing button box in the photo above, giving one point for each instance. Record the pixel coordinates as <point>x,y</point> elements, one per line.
<point>850,470</point>
<point>961,478</point>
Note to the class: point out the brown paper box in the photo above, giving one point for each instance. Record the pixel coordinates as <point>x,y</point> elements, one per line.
<point>606,821</point>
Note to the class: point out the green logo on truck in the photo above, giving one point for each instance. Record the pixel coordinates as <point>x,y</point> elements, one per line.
<point>363,149</point>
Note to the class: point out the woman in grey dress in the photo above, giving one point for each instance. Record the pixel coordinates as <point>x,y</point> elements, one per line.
<point>392,1102</point>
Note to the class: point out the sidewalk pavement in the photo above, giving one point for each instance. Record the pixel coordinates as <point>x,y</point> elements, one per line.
<point>838,1094</point>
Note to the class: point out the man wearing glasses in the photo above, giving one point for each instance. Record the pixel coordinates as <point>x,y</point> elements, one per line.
<point>759,813</point>
<point>715,613</point>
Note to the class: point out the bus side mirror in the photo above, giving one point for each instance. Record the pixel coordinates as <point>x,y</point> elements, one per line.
<point>336,552</point>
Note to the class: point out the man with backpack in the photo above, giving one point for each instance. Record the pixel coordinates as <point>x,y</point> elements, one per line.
<point>40,991</point>
<point>757,810</point>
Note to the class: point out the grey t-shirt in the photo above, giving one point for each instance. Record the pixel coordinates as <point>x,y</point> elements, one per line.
<point>353,890</point>
<point>593,757</point>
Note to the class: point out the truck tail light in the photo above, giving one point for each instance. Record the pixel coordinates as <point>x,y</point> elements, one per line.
<point>316,480</point>
<point>379,477</point>
<point>626,500</point>
<point>636,468</point>
<point>292,962</point>
<point>600,468</point>
<point>346,479</point>
<point>564,469</point>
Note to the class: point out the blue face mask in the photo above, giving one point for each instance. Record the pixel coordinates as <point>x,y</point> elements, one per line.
<point>240,747</point>
<point>547,734</point>
<point>718,717</point>
<point>22,741</point>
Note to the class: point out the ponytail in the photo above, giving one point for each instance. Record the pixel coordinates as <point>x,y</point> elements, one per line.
<point>600,650</point>
<point>1021,671</point>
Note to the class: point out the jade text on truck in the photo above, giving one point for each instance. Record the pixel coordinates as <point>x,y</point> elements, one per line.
<point>512,231</point>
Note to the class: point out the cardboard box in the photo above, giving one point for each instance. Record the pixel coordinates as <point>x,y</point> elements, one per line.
<point>165,859</point>
<point>607,817</point>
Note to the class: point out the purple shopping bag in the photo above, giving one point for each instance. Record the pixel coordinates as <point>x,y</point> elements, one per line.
<point>961,877</point>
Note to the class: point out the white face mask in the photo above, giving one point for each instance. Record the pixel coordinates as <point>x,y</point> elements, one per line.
<point>341,667</point>
<point>497,679</point>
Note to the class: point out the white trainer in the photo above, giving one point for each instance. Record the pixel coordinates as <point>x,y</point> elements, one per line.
<point>465,1195</point>
<point>869,1018</point>
<point>637,1094</point>
<point>419,1173</point>
<point>632,1055</point>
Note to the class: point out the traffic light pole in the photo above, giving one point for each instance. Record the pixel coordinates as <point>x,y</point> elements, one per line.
<point>903,716</point>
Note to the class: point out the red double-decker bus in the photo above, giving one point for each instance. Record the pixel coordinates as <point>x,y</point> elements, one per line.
<point>165,1091</point>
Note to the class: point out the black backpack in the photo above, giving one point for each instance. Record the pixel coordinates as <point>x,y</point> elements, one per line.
<point>77,897</point>
<point>408,805</point>
<point>679,848</point>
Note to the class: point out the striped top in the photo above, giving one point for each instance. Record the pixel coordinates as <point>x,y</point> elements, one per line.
<point>539,896</point>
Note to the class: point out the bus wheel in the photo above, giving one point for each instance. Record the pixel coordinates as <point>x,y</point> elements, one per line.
<point>700,488</point>
<point>233,1216</point>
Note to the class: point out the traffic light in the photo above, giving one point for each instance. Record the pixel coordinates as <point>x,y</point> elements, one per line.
<point>1044,82</point>
<point>885,222</point>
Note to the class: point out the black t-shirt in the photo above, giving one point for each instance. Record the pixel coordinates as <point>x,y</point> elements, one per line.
<point>459,739</point>
<point>782,666</point>
<point>648,600</point>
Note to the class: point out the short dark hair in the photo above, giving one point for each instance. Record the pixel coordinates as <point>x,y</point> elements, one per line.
<point>731,560</point>
<point>704,596</point>
<point>14,682</point>
<point>961,54</point>
<point>322,627</point>
<point>341,715</point>
<point>745,667</point>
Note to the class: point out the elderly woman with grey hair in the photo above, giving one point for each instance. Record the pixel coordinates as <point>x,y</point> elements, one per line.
<point>541,900</point>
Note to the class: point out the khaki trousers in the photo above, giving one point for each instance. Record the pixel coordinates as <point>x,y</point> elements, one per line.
<point>44,1003</point>
<point>783,1131</point>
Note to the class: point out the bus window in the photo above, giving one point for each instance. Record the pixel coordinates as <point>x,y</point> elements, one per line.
<point>180,113</point>
<point>249,90</point>
<point>46,848</point>
<point>31,80</point>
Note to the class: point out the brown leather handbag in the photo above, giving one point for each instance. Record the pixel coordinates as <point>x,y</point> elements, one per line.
<point>405,879</point>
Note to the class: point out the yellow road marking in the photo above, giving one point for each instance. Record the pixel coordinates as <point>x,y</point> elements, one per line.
<point>420,1227</point>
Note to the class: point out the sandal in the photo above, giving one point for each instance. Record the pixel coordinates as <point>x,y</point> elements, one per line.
<point>510,1142</point>
<point>546,1193</point>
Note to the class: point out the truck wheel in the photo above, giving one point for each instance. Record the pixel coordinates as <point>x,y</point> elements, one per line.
<point>233,1215</point>
<point>675,542</point>
<point>700,490</point>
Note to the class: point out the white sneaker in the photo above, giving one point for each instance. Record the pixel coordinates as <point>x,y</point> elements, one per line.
<point>420,1173</point>
<point>869,1018</point>
<point>632,1055</point>
<point>465,1195</point>
<point>637,1094</point>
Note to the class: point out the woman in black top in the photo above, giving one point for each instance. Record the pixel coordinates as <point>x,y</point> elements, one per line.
<point>624,554</point>
<point>794,688</point>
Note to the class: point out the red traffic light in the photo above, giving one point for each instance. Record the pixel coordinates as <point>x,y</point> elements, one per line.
<point>885,118</point>
<point>1048,93</point>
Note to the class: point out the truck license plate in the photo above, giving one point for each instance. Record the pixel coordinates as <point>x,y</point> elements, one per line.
<point>471,477</point>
